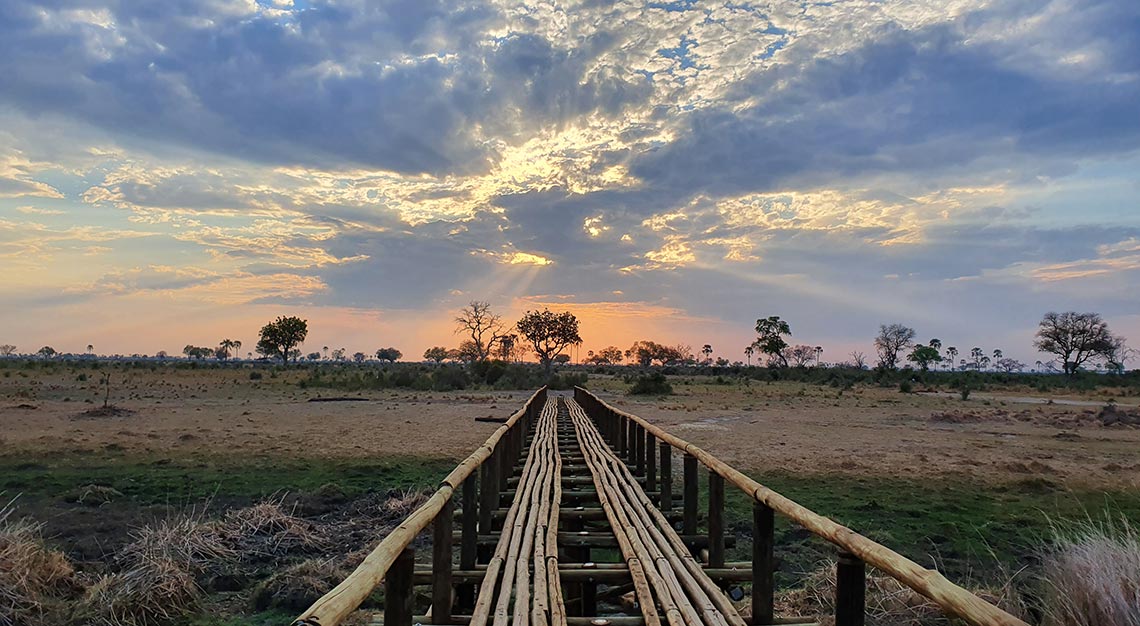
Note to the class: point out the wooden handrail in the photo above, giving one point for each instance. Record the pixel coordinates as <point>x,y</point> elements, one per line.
<point>951,598</point>
<point>346,597</point>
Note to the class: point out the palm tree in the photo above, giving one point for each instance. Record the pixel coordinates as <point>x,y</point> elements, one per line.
<point>952,353</point>
<point>977,355</point>
<point>749,350</point>
<point>997,354</point>
<point>326,351</point>
<point>707,351</point>
<point>90,348</point>
<point>818,353</point>
<point>228,347</point>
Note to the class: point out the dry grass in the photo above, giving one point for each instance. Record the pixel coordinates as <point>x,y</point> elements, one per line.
<point>401,505</point>
<point>32,576</point>
<point>267,530</point>
<point>154,591</point>
<point>1092,576</point>
<point>298,587</point>
<point>187,540</point>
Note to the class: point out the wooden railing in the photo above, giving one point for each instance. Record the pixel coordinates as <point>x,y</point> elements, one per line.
<point>636,439</point>
<point>495,460</point>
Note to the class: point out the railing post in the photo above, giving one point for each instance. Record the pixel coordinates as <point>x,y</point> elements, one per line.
<point>850,590</point>
<point>716,520</point>
<point>666,477</point>
<point>621,439</point>
<point>638,450</point>
<point>441,592</point>
<point>488,500</point>
<point>470,541</point>
<point>689,526</point>
<point>763,540</point>
<point>399,599</point>
<point>631,439</point>
<point>650,462</point>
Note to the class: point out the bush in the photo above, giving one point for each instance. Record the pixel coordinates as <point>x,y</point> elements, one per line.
<point>654,384</point>
<point>906,387</point>
<point>255,376</point>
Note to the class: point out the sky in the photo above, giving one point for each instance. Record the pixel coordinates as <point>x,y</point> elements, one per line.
<point>180,172</point>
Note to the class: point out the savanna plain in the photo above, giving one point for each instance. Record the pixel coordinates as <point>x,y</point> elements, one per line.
<point>273,488</point>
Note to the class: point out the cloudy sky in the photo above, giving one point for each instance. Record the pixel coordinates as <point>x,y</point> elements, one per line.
<point>183,171</point>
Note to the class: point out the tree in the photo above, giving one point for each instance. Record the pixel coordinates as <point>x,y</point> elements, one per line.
<point>506,347</point>
<point>818,353</point>
<point>467,352</point>
<point>1120,356</point>
<point>562,359</point>
<point>770,340</point>
<point>749,350</point>
<point>924,356</point>
<point>358,357</point>
<point>707,351</point>
<point>313,356</point>
<point>390,355</point>
<point>799,356</point>
<point>1008,365</point>
<point>227,347</point>
<point>280,337</point>
<point>161,354</point>
<point>7,349</point>
<point>47,352</point>
<point>549,333</point>
<point>483,327</point>
<point>858,359</point>
<point>606,356</point>
<point>197,352</point>
<point>338,354</point>
<point>1075,338</point>
<point>437,354</point>
<point>891,341</point>
<point>977,354</point>
<point>951,354</point>
<point>90,348</point>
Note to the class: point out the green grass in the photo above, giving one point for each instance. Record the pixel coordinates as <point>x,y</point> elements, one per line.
<point>190,479</point>
<point>969,531</point>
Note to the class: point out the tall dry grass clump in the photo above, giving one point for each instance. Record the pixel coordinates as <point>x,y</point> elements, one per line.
<point>266,529</point>
<point>33,577</point>
<point>1091,575</point>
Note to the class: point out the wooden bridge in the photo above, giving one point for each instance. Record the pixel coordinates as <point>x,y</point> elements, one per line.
<point>569,507</point>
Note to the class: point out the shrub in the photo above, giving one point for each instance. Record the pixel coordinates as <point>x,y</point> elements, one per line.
<point>255,376</point>
<point>906,387</point>
<point>654,384</point>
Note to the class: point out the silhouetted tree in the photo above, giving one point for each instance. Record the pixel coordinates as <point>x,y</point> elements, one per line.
<point>390,355</point>
<point>799,356</point>
<point>951,355</point>
<point>484,328</point>
<point>47,352</point>
<point>924,356</point>
<point>338,354</point>
<point>227,347</point>
<point>282,336</point>
<point>1076,338</point>
<point>549,333</point>
<point>858,359</point>
<point>437,354</point>
<point>358,357</point>
<point>313,356</point>
<point>707,351</point>
<point>7,349</point>
<point>818,353</point>
<point>770,340</point>
<point>197,352</point>
<point>749,350</point>
<point>891,341</point>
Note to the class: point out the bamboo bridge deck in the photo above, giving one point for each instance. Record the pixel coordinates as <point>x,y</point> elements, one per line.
<point>571,520</point>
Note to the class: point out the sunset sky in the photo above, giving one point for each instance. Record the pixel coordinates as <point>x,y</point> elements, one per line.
<point>181,171</point>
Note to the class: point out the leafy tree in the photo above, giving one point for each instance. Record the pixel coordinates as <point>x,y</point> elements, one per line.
<point>313,356</point>
<point>358,357</point>
<point>770,340</point>
<point>7,349</point>
<point>506,347</point>
<point>550,333</point>
<point>197,352</point>
<point>282,336</point>
<point>484,328</point>
<point>390,355</point>
<point>47,352</point>
<point>467,352</point>
<point>891,341</point>
<point>437,354</point>
<point>562,359</point>
<point>338,354</point>
<point>1008,365</point>
<point>924,356</point>
<point>707,350</point>
<point>1075,338</point>
<point>610,355</point>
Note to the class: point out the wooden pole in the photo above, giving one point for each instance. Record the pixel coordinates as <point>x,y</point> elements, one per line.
<point>689,526</point>
<point>469,543</point>
<point>441,592</point>
<point>763,541</point>
<point>850,590</point>
<point>638,450</point>
<point>716,520</point>
<point>488,502</point>
<point>398,591</point>
<point>650,462</point>
<point>666,477</point>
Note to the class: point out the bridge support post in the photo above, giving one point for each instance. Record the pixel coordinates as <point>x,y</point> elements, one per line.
<point>399,599</point>
<point>650,462</point>
<point>850,590</point>
<point>689,521</point>
<point>716,520</point>
<point>441,591</point>
<point>666,477</point>
<point>469,541</point>
<point>763,541</point>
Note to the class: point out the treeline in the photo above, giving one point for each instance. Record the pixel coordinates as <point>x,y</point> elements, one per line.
<point>491,374</point>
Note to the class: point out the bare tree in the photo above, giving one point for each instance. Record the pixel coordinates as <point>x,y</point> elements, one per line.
<point>1075,338</point>
<point>892,341</point>
<point>799,356</point>
<point>7,349</point>
<point>477,321</point>
<point>858,359</point>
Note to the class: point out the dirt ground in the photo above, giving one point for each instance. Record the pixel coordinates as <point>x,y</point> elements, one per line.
<point>787,427</point>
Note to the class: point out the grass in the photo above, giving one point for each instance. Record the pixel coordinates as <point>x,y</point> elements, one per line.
<point>168,480</point>
<point>969,531</point>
